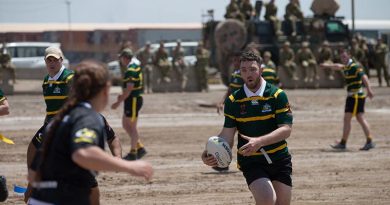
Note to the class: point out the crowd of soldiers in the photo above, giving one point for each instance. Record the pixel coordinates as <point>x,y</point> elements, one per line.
<point>308,61</point>
<point>244,11</point>
<point>158,63</point>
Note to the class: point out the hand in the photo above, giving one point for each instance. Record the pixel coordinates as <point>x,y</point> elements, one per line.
<point>220,108</point>
<point>209,159</point>
<point>370,94</point>
<point>251,147</point>
<point>115,105</point>
<point>141,169</point>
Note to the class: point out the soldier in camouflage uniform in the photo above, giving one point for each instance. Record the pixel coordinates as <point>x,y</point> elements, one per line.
<point>202,62</point>
<point>381,50</point>
<point>146,58</point>
<point>233,11</point>
<point>293,14</point>
<point>325,55</point>
<point>162,63</point>
<point>270,15</point>
<point>307,62</point>
<point>179,65</point>
<point>364,60</point>
<point>5,63</point>
<point>286,60</point>
<point>247,10</point>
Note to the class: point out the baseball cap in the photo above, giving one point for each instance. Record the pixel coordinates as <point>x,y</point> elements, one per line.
<point>126,52</point>
<point>54,52</point>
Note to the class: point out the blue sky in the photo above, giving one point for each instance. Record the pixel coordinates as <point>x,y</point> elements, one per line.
<point>154,11</point>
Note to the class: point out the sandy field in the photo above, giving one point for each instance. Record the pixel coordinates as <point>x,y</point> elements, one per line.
<point>175,128</point>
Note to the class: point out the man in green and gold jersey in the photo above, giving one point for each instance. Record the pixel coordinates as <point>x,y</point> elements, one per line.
<point>236,82</point>
<point>269,72</point>
<point>355,78</point>
<point>133,101</point>
<point>260,113</point>
<point>55,87</point>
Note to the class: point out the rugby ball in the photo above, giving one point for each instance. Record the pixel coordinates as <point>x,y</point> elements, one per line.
<point>220,149</point>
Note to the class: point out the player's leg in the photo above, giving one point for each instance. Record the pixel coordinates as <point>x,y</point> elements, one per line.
<point>263,191</point>
<point>363,123</point>
<point>129,123</point>
<point>283,193</point>
<point>346,126</point>
<point>94,197</point>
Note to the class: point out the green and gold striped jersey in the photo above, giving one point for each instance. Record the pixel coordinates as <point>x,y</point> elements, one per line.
<point>269,73</point>
<point>2,97</point>
<point>55,92</point>
<point>353,74</point>
<point>133,75</point>
<point>256,116</point>
<point>236,81</point>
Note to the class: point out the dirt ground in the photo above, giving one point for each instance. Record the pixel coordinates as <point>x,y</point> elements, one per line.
<point>175,129</point>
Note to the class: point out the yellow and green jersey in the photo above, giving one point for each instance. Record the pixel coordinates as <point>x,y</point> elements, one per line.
<point>236,81</point>
<point>133,75</point>
<point>256,116</point>
<point>269,73</point>
<point>353,74</point>
<point>55,92</point>
<point>2,97</point>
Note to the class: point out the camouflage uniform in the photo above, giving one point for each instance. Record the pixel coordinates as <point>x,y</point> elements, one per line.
<point>6,65</point>
<point>286,61</point>
<point>293,14</point>
<point>233,11</point>
<point>270,15</point>
<point>247,9</point>
<point>381,50</point>
<point>162,63</point>
<point>145,56</point>
<point>307,62</point>
<point>325,55</point>
<point>202,62</point>
<point>179,65</point>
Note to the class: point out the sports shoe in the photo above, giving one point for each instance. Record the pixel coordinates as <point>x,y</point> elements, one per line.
<point>3,189</point>
<point>368,146</point>
<point>130,156</point>
<point>141,152</point>
<point>219,169</point>
<point>339,146</point>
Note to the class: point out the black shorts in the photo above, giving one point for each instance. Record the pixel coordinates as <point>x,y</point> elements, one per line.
<point>37,140</point>
<point>132,106</point>
<point>354,104</point>
<point>280,170</point>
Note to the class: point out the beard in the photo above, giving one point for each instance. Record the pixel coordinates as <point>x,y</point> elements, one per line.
<point>253,84</point>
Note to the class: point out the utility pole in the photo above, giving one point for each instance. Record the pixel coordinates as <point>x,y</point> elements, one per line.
<point>70,36</point>
<point>353,16</point>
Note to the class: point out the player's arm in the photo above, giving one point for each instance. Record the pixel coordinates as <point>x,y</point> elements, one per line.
<point>228,135</point>
<point>126,92</point>
<point>4,107</point>
<point>115,147</point>
<point>366,83</point>
<point>333,66</point>
<point>255,143</point>
<point>221,103</point>
<point>94,158</point>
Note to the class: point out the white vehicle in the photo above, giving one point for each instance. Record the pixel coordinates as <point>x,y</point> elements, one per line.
<point>30,55</point>
<point>29,58</point>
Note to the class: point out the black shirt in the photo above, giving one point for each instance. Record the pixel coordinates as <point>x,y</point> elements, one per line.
<point>81,128</point>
